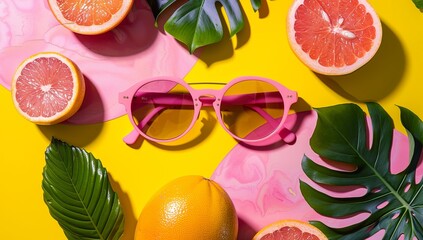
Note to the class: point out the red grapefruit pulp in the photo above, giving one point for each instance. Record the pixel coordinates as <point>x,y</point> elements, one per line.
<point>90,17</point>
<point>47,88</point>
<point>290,230</point>
<point>334,37</point>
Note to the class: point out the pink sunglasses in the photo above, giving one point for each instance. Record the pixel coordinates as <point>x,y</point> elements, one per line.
<point>251,109</point>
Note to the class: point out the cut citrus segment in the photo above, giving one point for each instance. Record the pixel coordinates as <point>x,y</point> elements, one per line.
<point>90,17</point>
<point>290,230</point>
<point>333,37</point>
<point>47,88</point>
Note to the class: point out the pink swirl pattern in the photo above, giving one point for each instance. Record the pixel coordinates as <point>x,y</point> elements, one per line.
<point>110,62</point>
<point>264,183</point>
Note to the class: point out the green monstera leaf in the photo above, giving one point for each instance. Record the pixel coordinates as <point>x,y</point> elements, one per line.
<point>78,194</point>
<point>419,4</point>
<point>197,23</point>
<point>394,201</point>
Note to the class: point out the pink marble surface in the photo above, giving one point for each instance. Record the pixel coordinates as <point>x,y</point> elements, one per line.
<point>264,183</point>
<point>110,62</point>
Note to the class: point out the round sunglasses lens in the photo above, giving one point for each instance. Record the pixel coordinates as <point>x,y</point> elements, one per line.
<point>163,109</point>
<point>252,109</point>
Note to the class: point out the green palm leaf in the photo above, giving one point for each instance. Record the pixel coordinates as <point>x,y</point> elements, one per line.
<point>197,23</point>
<point>78,194</point>
<point>340,135</point>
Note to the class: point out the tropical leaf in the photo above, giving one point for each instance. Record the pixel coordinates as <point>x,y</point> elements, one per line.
<point>256,4</point>
<point>158,6</point>
<point>419,4</point>
<point>394,201</point>
<point>78,194</point>
<point>197,23</point>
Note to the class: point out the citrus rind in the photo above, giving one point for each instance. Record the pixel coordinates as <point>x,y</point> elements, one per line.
<point>78,91</point>
<point>313,64</point>
<point>303,226</point>
<point>93,29</point>
<point>189,208</point>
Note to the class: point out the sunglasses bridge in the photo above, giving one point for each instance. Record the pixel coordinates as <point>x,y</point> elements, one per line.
<point>206,100</point>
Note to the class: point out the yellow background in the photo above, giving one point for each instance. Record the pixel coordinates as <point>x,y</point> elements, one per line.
<point>392,78</point>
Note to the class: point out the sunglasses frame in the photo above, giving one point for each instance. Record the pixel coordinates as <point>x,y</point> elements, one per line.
<point>289,97</point>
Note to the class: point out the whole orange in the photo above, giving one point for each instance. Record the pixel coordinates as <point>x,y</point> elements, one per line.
<point>188,208</point>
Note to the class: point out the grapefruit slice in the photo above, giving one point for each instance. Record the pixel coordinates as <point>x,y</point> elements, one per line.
<point>290,230</point>
<point>333,37</point>
<point>47,88</point>
<point>90,17</point>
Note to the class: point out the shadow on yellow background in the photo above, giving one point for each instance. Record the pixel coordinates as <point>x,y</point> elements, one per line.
<point>378,78</point>
<point>80,135</point>
<point>128,210</point>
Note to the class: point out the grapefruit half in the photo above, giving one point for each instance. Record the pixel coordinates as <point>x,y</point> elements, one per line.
<point>90,17</point>
<point>47,88</point>
<point>333,37</point>
<point>290,230</point>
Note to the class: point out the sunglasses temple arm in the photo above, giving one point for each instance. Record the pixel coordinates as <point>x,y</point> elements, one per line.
<point>286,134</point>
<point>253,98</point>
<point>166,99</point>
<point>170,99</point>
<point>133,136</point>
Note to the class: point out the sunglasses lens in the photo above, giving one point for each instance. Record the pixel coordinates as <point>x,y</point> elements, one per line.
<point>252,109</point>
<point>163,109</point>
